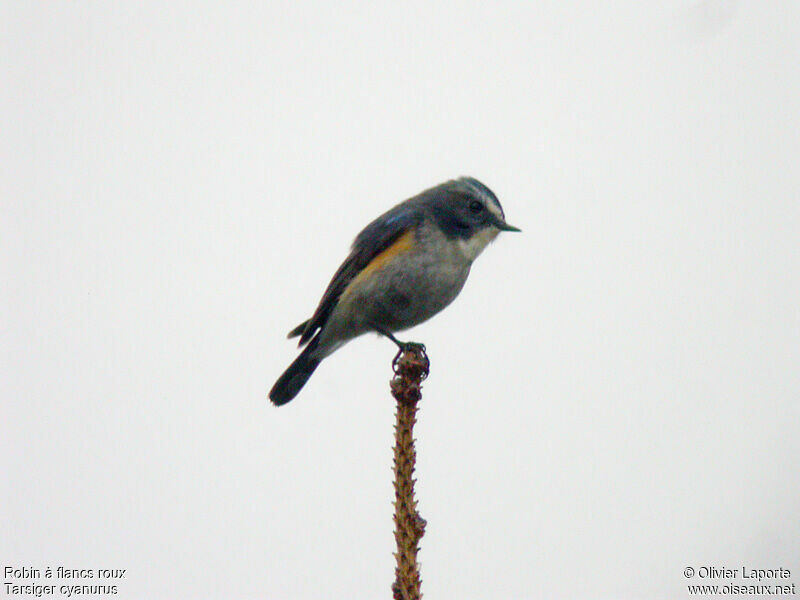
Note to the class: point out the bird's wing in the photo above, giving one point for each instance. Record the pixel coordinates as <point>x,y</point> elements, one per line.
<point>376,238</point>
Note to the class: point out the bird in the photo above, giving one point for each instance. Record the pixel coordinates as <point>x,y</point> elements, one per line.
<point>403,268</point>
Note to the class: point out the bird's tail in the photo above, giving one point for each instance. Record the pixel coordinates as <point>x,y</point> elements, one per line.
<point>295,377</point>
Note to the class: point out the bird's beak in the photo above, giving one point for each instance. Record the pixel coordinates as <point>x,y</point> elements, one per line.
<point>502,225</point>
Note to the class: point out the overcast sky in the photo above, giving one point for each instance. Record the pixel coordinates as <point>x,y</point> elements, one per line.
<point>614,396</point>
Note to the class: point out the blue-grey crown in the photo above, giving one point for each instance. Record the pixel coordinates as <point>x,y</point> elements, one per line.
<point>472,186</point>
<point>447,203</point>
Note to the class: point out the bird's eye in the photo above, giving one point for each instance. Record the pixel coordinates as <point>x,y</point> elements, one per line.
<point>475,206</point>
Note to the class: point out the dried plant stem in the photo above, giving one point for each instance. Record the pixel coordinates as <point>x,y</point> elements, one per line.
<point>410,369</point>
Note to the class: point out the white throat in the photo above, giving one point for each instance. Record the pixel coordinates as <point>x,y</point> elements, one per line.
<point>472,247</point>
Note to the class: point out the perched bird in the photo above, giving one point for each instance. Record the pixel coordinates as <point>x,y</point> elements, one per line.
<point>403,268</point>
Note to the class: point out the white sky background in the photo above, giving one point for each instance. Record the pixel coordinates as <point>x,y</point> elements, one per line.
<point>614,396</point>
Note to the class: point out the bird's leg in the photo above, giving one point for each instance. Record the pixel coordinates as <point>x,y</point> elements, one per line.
<point>402,346</point>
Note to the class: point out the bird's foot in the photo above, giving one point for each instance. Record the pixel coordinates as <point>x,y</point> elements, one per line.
<point>415,349</point>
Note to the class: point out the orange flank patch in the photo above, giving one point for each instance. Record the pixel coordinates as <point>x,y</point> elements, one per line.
<point>402,244</point>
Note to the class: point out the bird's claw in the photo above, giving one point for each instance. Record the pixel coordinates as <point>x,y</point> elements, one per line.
<point>404,347</point>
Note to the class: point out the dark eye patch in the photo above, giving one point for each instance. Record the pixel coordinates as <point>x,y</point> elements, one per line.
<point>450,222</point>
<point>475,206</point>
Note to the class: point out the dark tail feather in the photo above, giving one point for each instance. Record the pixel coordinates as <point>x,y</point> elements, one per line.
<point>298,330</point>
<point>295,377</point>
